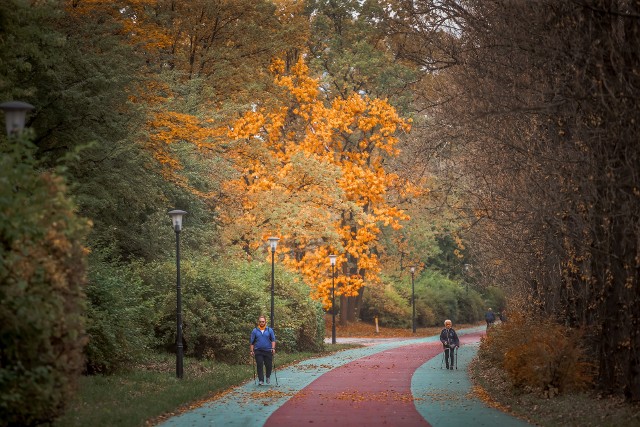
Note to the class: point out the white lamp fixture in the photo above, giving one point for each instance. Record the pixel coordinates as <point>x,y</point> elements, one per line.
<point>413,270</point>
<point>15,113</point>
<point>332,259</point>
<point>176,218</point>
<point>273,242</point>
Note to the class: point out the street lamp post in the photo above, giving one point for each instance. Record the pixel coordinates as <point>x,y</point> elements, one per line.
<point>15,113</point>
<point>273,242</point>
<point>176,218</point>
<point>466,276</point>
<point>332,258</point>
<point>413,300</point>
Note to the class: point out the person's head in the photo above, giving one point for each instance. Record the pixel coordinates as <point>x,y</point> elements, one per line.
<point>447,323</point>
<point>262,321</point>
<point>489,308</point>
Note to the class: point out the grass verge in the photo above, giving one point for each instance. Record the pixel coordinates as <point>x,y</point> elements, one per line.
<point>149,392</point>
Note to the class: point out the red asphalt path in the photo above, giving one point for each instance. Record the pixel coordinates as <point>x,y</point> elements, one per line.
<point>372,391</point>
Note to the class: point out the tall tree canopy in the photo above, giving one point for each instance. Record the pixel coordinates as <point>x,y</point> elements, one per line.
<point>314,173</point>
<point>542,127</point>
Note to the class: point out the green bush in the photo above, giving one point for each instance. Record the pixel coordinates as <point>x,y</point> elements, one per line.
<point>119,314</point>
<point>41,277</point>
<point>470,306</point>
<point>221,303</point>
<point>437,298</point>
<point>387,303</point>
<point>495,298</point>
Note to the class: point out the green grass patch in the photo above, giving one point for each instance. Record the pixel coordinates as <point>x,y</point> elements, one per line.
<point>151,390</point>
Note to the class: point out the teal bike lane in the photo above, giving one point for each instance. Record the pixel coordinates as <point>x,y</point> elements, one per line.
<point>394,383</point>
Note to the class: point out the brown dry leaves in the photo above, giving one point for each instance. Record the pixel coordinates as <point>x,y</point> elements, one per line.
<point>265,397</point>
<point>381,396</point>
<point>569,409</point>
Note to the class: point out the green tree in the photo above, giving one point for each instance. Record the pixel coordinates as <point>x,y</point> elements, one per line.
<point>350,49</point>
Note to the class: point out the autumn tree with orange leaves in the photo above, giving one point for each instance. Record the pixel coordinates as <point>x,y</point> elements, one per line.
<point>314,174</point>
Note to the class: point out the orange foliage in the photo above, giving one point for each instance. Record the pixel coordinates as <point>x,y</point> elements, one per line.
<point>277,150</point>
<point>136,24</point>
<point>538,354</point>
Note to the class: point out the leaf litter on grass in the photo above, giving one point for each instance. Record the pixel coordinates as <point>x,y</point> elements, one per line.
<point>492,386</point>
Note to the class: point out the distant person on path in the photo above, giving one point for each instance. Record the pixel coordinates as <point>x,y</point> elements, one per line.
<point>502,316</point>
<point>490,318</point>
<point>450,341</point>
<point>263,347</point>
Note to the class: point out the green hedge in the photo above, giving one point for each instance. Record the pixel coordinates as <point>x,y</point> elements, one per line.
<point>119,316</point>
<point>437,298</point>
<point>221,303</point>
<point>41,277</point>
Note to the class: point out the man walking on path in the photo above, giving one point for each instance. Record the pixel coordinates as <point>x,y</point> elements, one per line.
<point>490,318</point>
<point>450,342</point>
<point>262,346</point>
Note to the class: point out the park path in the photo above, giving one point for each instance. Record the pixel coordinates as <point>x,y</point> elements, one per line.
<point>393,383</point>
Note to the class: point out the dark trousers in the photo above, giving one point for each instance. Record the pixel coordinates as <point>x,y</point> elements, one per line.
<point>489,323</point>
<point>449,354</point>
<point>264,358</point>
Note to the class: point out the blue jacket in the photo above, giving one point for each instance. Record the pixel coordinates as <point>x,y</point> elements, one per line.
<point>449,338</point>
<point>262,340</point>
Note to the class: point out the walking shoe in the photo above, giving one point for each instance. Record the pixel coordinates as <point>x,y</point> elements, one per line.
<point>268,380</point>
<point>451,368</point>
<point>447,366</point>
<point>260,383</point>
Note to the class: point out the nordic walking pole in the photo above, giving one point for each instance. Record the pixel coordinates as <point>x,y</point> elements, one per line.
<point>457,356</point>
<point>253,363</point>
<point>274,369</point>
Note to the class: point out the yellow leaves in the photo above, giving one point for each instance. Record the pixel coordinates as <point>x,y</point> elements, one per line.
<point>247,126</point>
<point>275,123</point>
<point>299,83</point>
<point>460,246</point>
<point>170,127</point>
<point>320,166</point>
<point>391,216</point>
<point>277,66</point>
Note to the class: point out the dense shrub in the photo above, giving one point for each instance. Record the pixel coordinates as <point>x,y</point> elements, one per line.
<point>388,304</point>
<point>538,355</point>
<point>441,296</point>
<point>437,298</point>
<point>470,306</point>
<point>221,303</point>
<point>495,298</point>
<point>41,277</point>
<point>119,316</point>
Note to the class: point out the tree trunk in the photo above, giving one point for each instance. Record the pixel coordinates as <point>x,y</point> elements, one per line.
<point>357,310</point>
<point>344,309</point>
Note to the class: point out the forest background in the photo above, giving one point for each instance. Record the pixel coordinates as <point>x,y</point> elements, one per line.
<point>500,163</point>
